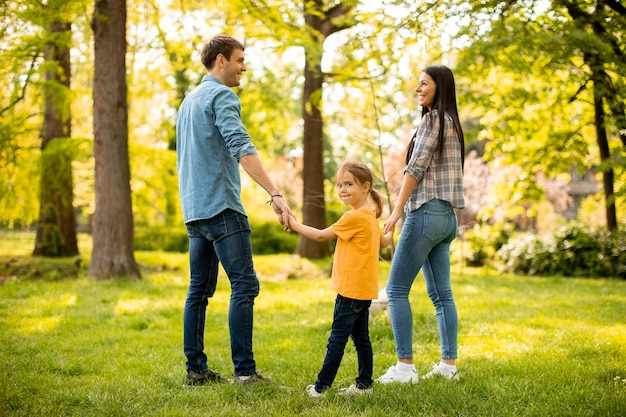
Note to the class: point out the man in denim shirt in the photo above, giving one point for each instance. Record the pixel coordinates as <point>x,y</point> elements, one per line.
<point>211,143</point>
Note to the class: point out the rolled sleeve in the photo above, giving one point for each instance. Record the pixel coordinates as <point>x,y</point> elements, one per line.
<point>424,148</point>
<point>228,122</point>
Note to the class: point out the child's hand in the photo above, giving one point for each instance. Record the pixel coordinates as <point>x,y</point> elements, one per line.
<point>386,239</point>
<point>290,219</point>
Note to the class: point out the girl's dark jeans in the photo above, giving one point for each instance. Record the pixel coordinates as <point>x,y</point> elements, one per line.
<point>350,319</point>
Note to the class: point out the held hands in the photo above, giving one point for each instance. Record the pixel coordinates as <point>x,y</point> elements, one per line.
<point>281,209</point>
<point>291,220</point>
<point>390,224</point>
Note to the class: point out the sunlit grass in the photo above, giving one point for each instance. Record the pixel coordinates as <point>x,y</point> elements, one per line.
<point>528,346</point>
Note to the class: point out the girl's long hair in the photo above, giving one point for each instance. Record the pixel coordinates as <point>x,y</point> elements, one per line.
<point>444,102</point>
<point>362,175</point>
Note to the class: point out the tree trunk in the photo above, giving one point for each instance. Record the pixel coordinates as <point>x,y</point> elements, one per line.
<point>56,228</point>
<point>319,24</point>
<point>601,88</point>
<point>605,154</point>
<point>113,246</point>
<point>313,205</point>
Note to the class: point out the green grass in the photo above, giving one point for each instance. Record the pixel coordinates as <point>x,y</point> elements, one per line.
<point>79,347</point>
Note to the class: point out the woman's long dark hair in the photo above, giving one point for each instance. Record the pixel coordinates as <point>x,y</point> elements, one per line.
<point>444,102</point>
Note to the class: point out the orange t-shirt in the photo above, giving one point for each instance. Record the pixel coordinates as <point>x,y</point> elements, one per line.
<point>355,265</point>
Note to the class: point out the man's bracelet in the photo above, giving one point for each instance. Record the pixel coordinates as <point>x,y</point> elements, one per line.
<point>271,200</point>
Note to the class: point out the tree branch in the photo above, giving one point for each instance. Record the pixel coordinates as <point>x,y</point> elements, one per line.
<point>21,96</point>
<point>619,8</point>
<point>580,90</point>
<point>328,27</point>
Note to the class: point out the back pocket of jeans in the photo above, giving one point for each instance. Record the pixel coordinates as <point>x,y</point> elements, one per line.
<point>435,225</point>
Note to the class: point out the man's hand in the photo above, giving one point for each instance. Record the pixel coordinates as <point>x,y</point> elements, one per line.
<point>282,211</point>
<point>253,166</point>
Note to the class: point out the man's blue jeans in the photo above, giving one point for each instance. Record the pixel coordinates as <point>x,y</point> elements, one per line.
<point>223,239</point>
<point>424,243</point>
<point>350,319</point>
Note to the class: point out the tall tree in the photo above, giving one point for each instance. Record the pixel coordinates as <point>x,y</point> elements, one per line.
<point>320,24</point>
<point>561,63</point>
<point>370,42</point>
<point>600,59</point>
<point>21,80</point>
<point>320,21</point>
<point>113,246</point>
<point>56,229</point>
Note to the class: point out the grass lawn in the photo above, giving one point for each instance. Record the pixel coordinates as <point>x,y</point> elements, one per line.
<point>73,346</point>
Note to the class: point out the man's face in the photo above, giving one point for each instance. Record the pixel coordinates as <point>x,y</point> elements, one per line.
<point>232,69</point>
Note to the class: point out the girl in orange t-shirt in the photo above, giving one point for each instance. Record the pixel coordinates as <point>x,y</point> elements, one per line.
<point>354,277</point>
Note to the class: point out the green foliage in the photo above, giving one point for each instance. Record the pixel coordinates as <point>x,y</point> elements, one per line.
<point>524,74</point>
<point>155,187</point>
<point>162,238</point>
<point>17,268</point>
<point>266,237</point>
<point>574,250</point>
<point>270,238</point>
<point>481,242</point>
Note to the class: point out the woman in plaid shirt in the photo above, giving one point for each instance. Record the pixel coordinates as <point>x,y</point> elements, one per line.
<point>431,189</point>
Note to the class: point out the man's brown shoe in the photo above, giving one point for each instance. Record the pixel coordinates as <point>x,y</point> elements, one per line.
<point>201,378</point>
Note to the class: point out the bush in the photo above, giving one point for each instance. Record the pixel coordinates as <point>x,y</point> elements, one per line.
<point>163,238</point>
<point>483,241</point>
<point>527,254</point>
<point>573,251</point>
<point>18,268</point>
<point>267,238</point>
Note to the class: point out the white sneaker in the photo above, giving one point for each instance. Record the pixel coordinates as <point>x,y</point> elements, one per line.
<point>394,375</point>
<point>310,389</point>
<point>353,389</point>
<point>444,372</point>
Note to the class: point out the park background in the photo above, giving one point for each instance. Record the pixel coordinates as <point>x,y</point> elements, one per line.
<point>88,186</point>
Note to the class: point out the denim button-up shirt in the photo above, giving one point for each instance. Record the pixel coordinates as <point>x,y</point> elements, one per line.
<point>438,172</point>
<point>210,139</point>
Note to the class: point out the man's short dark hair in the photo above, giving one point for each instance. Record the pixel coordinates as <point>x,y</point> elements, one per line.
<point>221,44</point>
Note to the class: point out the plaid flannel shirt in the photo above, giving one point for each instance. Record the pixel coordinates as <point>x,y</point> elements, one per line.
<point>439,174</point>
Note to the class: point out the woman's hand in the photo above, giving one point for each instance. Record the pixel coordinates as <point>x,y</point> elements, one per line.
<point>390,224</point>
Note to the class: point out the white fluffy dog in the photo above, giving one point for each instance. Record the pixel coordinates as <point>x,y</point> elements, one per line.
<point>380,304</point>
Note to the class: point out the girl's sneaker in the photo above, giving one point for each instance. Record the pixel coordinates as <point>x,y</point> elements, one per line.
<point>443,371</point>
<point>313,393</point>
<point>353,389</point>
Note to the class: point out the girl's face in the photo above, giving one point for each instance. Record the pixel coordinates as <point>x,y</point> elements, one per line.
<point>350,191</point>
<point>426,89</point>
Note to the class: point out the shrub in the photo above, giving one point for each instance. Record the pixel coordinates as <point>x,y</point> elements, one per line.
<point>267,238</point>
<point>20,268</point>
<point>163,238</point>
<point>573,251</point>
<point>526,254</point>
<point>483,241</point>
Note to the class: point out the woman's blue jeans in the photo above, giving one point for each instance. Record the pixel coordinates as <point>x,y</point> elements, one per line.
<point>223,239</point>
<point>350,319</point>
<point>424,243</point>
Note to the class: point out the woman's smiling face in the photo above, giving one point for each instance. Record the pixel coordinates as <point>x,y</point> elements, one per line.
<point>426,89</point>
